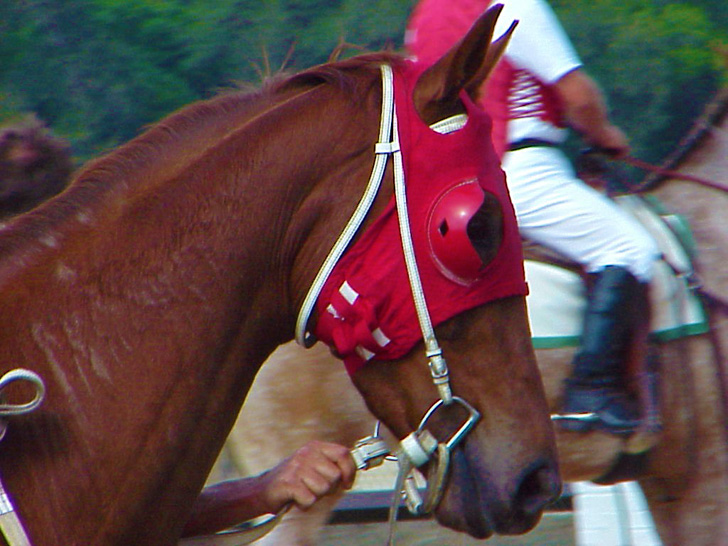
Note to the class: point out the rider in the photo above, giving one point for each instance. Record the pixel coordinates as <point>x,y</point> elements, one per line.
<point>312,472</point>
<point>538,89</point>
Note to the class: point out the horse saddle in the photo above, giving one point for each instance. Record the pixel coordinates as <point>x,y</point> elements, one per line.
<point>557,302</point>
<point>557,296</point>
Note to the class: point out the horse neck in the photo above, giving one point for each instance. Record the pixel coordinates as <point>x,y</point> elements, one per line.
<point>161,299</point>
<point>703,207</point>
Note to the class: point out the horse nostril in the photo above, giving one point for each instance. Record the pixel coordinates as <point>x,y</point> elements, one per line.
<point>540,486</point>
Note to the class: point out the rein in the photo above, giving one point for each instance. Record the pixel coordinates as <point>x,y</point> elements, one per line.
<point>10,524</point>
<point>629,160</point>
<point>715,302</point>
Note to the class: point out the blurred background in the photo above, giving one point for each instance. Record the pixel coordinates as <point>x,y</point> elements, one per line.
<point>98,71</point>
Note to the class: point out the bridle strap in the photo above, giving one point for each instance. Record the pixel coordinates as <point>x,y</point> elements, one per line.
<point>387,145</point>
<point>241,535</point>
<point>381,150</point>
<point>10,524</point>
<point>405,482</point>
<point>437,364</point>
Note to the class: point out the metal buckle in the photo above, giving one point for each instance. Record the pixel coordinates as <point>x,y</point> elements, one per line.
<point>369,452</point>
<point>457,437</point>
<point>20,374</point>
<point>9,410</point>
<point>411,496</point>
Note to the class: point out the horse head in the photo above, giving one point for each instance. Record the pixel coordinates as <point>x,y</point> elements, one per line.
<point>467,254</point>
<point>149,293</point>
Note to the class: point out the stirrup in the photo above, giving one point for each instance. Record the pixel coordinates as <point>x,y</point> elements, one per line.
<point>592,421</point>
<point>601,407</point>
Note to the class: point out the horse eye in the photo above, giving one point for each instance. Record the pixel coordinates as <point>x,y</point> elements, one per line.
<point>485,229</point>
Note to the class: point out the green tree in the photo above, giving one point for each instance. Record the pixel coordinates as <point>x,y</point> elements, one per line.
<point>657,64</point>
<point>98,71</point>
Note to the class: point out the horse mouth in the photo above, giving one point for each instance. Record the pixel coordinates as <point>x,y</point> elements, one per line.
<point>479,505</point>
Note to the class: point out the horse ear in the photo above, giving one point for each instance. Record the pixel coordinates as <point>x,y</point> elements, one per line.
<point>466,66</point>
<point>492,56</point>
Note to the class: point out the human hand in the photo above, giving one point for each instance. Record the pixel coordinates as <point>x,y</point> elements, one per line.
<point>312,472</point>
<point>611,140</point>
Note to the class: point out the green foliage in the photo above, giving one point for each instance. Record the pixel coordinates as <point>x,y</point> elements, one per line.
<point>658,64</point>
<point>98,71</point>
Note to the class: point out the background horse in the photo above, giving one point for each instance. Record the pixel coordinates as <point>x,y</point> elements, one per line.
<point>34,166</point>
<point>150,292</point>
<point>684,476</point>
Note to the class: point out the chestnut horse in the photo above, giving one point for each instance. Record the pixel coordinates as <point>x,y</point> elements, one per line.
<point>150,292</point>
<point>684,476</point>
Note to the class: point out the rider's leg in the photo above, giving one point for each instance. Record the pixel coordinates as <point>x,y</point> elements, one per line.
<point>596,385</point>
<point>557,210</point>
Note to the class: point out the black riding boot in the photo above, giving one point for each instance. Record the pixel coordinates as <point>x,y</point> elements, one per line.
<point>595,395</point>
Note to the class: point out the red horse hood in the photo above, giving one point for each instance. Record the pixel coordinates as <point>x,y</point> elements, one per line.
<point>366,310</point>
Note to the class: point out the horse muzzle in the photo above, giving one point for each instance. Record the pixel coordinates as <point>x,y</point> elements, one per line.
<point>506,500</point>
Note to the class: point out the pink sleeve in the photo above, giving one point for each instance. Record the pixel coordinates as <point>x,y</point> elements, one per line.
<point>436,25</point>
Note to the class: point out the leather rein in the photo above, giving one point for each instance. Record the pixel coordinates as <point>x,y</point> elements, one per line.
<point>711,300</point>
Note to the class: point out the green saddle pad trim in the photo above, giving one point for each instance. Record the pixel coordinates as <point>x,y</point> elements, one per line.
<point>679,226</point>
<point>662,336</point>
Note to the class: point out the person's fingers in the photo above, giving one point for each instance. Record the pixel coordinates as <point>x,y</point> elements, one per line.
<point>302,496</point>
<point>341,457</point>
<point>320,468</point>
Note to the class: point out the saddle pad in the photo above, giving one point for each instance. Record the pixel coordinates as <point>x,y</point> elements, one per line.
<point>557,300</point>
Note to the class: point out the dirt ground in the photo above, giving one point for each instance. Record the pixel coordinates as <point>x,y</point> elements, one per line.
<point>555,529</point>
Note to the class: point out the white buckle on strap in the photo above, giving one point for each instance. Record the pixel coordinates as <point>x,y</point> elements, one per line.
<point>419,447</point>
<point>386,147</point>
<point>369,452</point>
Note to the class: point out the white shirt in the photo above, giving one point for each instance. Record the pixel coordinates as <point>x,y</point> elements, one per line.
<point>540,47</point>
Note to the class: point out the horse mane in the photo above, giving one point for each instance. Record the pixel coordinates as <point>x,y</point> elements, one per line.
<point>146,148</point>
<point>337,73</point>
<point>166,146</point>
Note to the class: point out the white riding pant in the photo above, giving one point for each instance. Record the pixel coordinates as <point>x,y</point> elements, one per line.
<point>557,210</point>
